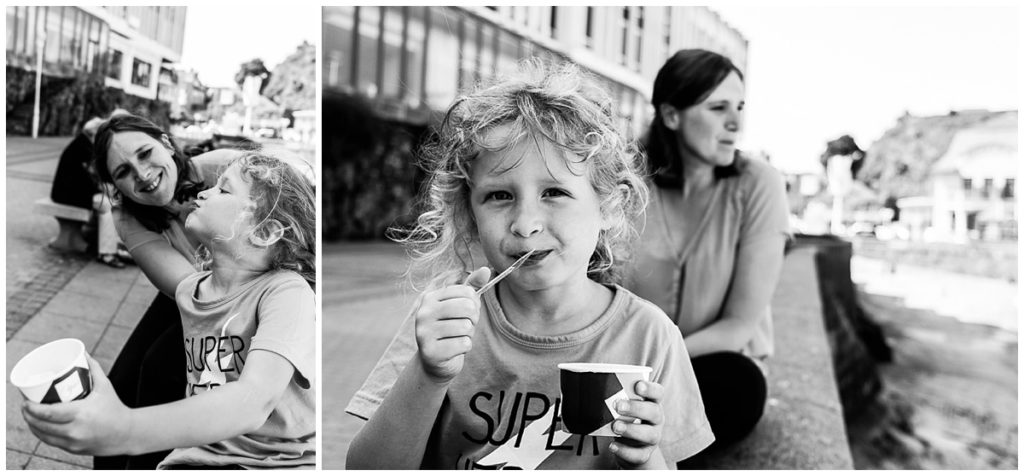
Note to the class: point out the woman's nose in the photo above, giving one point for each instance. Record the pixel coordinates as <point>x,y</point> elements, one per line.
<point>527,221</point>
<point>733,122</point>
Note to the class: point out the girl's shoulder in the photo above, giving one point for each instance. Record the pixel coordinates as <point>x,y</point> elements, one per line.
<point>641,315</point>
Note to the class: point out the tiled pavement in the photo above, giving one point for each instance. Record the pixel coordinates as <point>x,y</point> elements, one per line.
<point>99,305</point>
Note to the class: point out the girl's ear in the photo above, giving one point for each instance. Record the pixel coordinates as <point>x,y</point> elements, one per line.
<point>669,116</point>
<point>270,232</point>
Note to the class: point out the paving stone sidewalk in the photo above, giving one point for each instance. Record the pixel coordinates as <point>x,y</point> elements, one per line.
<point>99,305</point>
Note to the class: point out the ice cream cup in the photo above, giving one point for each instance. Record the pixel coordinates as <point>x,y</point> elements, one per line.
<point>589,393</point>
<point>54,372</point>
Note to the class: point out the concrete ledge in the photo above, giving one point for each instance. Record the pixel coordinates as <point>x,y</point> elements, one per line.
<point>803,426</point>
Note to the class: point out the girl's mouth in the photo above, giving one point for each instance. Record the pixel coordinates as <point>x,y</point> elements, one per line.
<point>535,258</point>
<point>150,186</point>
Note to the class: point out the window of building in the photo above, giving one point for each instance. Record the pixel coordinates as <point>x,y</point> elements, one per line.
<point>624,29</point>
<point>415,54</point>
<point>12,25</point>
<point>442,57</point>
<point>666,30</point>
<point>390,56</point>
<point>1008,188</point>
<point>140,72</point>
<point>638,34</point>
<point>338,26</point>
<point>986,188</point>
<point>967,184</point>
<point>114,66</point>
<point>590,27</point>
<point>368,22</point>
<point>52,32</point>
<point>554,21</point>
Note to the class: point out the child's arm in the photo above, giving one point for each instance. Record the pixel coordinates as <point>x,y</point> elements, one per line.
<point>397,434</point>
<point>636,447</point>
<point>101,425</point>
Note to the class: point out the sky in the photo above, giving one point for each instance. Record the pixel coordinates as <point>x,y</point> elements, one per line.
<point>816,73</point>
<point>220,37</point>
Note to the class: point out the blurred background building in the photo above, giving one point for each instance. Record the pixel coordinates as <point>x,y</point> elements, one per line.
<point>388,72</point>
<point>133,49</point>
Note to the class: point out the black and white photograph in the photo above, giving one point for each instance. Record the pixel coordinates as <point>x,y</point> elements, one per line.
<point>735,236</point>
<point>161,203</point>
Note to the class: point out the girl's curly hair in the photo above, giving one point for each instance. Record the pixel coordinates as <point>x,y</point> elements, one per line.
<point>283,198</point>
<point>556,103</point>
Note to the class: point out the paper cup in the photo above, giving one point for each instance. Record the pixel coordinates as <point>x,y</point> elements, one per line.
<point>589,393</point>
<point>53,373</point>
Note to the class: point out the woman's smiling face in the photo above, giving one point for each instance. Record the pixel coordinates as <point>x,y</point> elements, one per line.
<point>531,197</point>
<point>142,168</point>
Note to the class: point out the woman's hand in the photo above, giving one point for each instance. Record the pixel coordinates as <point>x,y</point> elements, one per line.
<point>445,324</point>
<point>636,447</point>
<point>97,425</point>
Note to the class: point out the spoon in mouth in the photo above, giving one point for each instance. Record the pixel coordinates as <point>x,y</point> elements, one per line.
<point>519,262</point>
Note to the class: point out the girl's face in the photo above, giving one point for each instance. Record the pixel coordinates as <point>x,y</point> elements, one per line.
<point>219,210</point>
<point>538,204</point>
<point>709,130</point>
<point>142,168</point>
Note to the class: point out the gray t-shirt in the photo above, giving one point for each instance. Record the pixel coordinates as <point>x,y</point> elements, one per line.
<point>275,313</point>
<point>502,410</point>
<point>744,210</point>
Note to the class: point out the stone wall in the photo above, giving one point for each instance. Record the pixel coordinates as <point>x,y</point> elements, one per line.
<point>857,342</point>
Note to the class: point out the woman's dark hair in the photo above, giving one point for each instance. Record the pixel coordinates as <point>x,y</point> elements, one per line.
<point>153,218</point>
<point>686,79</point>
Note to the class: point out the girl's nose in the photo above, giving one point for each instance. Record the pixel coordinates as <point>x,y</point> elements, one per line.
<point>203,194</point>
<point>527,221</point>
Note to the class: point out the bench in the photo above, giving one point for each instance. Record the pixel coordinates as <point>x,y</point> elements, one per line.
<point>70,220</point>
<point>802,426</point>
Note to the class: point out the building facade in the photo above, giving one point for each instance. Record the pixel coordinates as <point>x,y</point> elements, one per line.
<point>134,47</point>
<point>973,187</point>
<point>412,60</point>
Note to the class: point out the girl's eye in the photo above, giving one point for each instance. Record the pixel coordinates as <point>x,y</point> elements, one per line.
<point>555,192</point>
<point>221,190</point>
<point>500,195</point>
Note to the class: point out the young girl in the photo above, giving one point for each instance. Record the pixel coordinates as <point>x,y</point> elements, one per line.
<point>249,339</point>
<point>531,163</point>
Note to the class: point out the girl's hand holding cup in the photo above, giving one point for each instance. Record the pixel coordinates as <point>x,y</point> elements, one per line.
<point>97,425</point>
<point>445,323</point>
<point>637,444</point>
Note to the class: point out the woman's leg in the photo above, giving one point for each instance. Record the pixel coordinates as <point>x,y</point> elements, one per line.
<point>734,391</point>
<point>107,239</point>
<point>160,320</point>
<point>161,380</point>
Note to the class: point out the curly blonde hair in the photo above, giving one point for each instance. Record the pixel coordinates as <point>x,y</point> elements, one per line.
<point>556,103</point>
<point>283,213</point>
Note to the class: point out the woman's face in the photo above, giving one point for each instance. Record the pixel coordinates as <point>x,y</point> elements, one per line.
<point>708,131</point>
<point>142,168</point>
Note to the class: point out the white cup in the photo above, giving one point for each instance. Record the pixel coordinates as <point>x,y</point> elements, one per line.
<point>54,372</point>
<point>589,393</point>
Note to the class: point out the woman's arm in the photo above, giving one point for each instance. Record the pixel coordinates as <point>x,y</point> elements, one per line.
<point>755,275</point>
<point>101,425</point>
<point>759,256</point>
<point>162,263</point>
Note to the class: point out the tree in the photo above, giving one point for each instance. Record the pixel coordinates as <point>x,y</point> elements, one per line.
<point>253,67</point>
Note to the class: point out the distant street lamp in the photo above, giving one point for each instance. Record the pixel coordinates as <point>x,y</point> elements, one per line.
<point>40,46</point>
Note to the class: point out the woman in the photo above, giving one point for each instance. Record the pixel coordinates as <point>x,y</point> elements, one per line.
<point>153,185</point>
<point>712,249</point>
